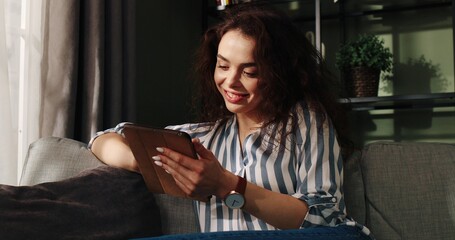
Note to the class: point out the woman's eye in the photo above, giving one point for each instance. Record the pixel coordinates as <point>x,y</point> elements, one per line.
<point>223,67</point>
<point>250,74</point>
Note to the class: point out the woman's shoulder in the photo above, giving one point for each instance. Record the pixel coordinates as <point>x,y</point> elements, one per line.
<point>303,111</point>
<point>307,119</point>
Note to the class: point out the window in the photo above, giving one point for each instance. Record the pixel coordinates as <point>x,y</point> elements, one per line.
<point>21,53</point>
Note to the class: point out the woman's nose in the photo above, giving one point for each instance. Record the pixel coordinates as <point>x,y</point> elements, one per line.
<point>233,78</point>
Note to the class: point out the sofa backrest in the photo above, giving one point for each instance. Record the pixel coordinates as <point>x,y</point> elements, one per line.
<point>408,190</point>
<point>54,159</point>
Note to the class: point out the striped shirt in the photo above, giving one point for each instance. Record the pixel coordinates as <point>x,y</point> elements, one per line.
<point>307,165</point>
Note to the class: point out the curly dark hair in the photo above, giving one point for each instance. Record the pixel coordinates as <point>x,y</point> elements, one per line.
<point>290,68</point>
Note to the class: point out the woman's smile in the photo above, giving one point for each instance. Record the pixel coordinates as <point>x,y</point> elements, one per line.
<point>234,97</point>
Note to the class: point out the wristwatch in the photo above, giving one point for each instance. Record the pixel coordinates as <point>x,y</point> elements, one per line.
<point>235,199</point>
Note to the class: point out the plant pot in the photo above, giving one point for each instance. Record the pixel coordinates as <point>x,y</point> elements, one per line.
<point>362,82</point>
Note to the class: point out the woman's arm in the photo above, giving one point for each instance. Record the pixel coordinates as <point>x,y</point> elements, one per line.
<point>206,177</point>
<point>112,149</point>
<point>280,210</point>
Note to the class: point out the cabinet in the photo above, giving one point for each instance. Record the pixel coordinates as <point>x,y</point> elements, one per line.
<point>419,32</point>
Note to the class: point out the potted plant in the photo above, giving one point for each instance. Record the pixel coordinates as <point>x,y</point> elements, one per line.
<point>361,61</point>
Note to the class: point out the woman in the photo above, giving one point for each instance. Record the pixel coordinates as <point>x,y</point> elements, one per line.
<point>267,143</point>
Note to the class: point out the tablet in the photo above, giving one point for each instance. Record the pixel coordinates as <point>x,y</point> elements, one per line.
<point>143,142</point>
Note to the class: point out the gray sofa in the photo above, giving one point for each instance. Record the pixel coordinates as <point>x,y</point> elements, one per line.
<point>398,190</point>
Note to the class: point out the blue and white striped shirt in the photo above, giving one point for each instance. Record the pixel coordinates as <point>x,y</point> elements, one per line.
<point>308,166</point>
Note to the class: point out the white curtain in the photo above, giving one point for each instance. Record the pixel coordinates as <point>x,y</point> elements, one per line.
<point>21,45</point>
<point>8,138</point>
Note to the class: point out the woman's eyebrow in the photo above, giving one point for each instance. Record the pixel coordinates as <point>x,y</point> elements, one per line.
<point>250,64</point>
<point>222,58</point>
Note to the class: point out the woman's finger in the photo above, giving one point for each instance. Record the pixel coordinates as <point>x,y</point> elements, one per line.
<point>203,152</point>
<point>173,167</point>
<point>182,181</point>
<point>179,158</point>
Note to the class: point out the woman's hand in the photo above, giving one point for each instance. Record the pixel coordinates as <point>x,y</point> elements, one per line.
<point>203,177</point>
<point>112,149</point>
<point>198,178</point>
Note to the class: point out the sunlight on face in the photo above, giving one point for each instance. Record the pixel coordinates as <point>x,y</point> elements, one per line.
<point>236,74</point>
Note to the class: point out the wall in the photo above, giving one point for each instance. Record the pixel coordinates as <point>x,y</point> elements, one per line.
<point>167,35</point>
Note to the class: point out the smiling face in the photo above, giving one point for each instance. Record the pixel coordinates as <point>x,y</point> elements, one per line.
<point>236,74</point>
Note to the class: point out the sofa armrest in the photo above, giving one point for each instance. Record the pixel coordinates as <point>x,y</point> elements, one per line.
<point>54,159</point>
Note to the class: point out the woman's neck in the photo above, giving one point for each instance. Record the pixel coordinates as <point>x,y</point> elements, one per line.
<point>247,125</point>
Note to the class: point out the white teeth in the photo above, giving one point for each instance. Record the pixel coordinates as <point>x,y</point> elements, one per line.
<point>234,97</point>
<point>230,94</point>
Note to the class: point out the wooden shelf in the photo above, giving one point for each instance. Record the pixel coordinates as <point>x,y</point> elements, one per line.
<point>400,101</point>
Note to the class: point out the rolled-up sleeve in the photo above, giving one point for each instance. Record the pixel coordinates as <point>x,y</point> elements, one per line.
<point>320,172</point>
<point>117,129</point>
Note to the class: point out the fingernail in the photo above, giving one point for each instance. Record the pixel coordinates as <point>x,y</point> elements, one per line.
<point>159,163</point>
<point>161,150</point>
<point>167,171</point>
<point>156,158</point>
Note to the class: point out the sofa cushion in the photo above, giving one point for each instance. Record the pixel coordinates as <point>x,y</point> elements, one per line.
<point>99,203</point>
<point>409,189</point>
<point>177,214</point>
<point>54,159</point>
<point>354,194</point>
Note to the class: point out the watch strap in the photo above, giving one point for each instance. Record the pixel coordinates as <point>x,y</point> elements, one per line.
<point>241,185</point>
<point>239,188</point>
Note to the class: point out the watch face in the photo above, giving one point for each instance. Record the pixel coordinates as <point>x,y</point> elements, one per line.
<point>234,200</point>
